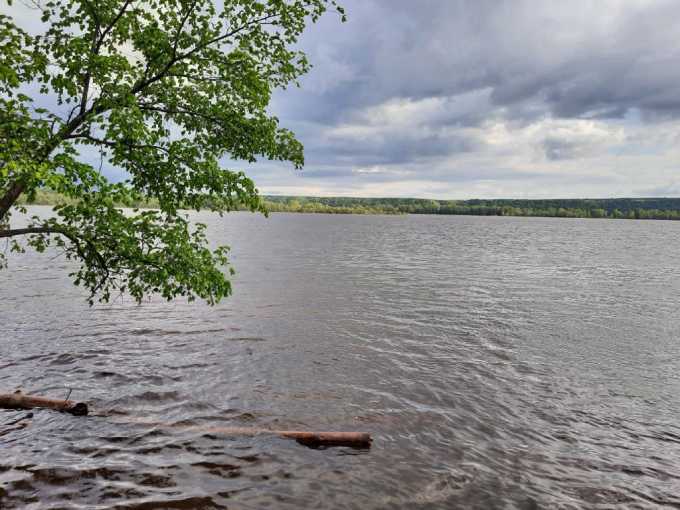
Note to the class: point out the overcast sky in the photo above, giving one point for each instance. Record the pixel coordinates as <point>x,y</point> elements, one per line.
<point>487,98</point>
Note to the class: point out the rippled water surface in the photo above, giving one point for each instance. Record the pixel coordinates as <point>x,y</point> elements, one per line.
<point>498,363</point>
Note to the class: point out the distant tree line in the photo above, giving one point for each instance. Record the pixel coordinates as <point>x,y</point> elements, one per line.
<point>617,208</point>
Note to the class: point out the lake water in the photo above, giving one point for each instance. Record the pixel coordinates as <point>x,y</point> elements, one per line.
<point>498,362</point>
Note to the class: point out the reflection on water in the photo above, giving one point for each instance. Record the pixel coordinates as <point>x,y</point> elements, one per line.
<point>498,362</point>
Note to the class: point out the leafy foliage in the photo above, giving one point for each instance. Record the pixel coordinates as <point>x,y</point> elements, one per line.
<point>162,89</point>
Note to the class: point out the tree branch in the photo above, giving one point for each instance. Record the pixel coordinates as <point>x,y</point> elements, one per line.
<point>141,85</point>
<point>178,111</point>
<point>107,143</point>
<point>74,239</point>
<point>222,37</point>
<point>31,230</point>
<point>109,27</point>
<point>94,50</point>
<point>181,27</point>
<point>19,185</point>
<point>98,38</point>
<point>11,195</point>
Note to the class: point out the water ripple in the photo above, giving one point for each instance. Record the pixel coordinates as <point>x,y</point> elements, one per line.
<point>499,363</point>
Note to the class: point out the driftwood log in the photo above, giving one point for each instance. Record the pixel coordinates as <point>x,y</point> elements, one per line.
<point>18,400</point>
<point>307,438</point>
<point>353,439</point>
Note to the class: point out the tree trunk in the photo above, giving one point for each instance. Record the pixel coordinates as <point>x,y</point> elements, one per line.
<point>16,189</point>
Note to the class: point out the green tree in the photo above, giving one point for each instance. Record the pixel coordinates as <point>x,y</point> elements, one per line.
<point>294,205</point>
<point>162,89</point>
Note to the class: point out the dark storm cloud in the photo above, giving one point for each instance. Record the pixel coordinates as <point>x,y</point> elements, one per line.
<point>390,149</point>
<point>577,58</point>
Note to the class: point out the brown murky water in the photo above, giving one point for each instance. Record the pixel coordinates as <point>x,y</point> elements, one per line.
<point>498,362</point>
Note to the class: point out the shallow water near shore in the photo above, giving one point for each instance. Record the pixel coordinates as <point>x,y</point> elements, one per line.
<point>498,363</point>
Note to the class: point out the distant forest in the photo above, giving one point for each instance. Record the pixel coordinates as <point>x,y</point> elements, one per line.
<point>623,208</point>
<point>618,208</point>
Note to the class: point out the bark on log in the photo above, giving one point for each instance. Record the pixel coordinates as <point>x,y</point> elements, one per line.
<point>354,439</point>
<point>307,438</point>
<point>18,400</point>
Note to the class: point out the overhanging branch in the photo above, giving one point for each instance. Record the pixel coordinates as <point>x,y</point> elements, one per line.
<point>94,253</point>
<point>30,230</point>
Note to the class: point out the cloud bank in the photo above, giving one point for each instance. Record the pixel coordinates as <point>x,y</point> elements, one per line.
<point>484,99</point>
<point>461,99</point>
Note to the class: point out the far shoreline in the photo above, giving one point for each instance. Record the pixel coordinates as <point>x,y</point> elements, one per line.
<point>607,208</point>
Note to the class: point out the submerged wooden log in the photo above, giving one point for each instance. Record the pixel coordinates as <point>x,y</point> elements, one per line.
<point>307,438</point>
<point>353,439</point>
<point>18,400</point>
